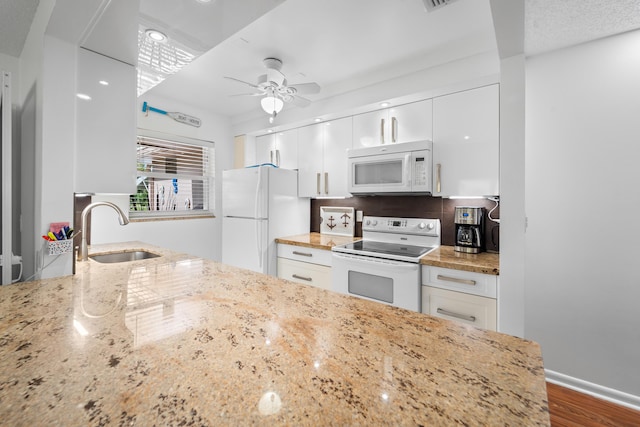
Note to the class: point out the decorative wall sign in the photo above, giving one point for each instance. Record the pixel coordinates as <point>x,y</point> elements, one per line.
<point>178,117</point>
<point>337,220</point>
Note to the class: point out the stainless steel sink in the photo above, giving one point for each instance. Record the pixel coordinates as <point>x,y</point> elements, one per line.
<point>123,256</point>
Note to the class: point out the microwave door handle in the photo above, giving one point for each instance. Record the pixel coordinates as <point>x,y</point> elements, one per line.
<point>409,169</point>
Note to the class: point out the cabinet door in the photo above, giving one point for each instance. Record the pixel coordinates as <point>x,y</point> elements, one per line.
<point>106,126</point>
<point>337,140</point>
<point>310,152</point>
<point>411,122</point>
<point>369,129</point>
<point>460,307</point>
<point>466,143</point>
<point>265,149</point>
<point>286,146</point>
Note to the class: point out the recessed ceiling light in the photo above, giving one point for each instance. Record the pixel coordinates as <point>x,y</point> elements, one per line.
<point>317,119</point>
<point>384,104</point>
<point>156,36</point>
<point>203,1</point>
<point>83,96</point>
<point>104,82</point>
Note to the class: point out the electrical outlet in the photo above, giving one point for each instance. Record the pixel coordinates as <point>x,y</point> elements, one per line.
<point>358,216</point>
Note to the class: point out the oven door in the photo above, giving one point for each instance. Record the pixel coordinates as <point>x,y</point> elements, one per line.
<point>391,282</point>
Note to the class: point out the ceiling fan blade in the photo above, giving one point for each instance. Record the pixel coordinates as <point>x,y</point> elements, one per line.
<point>249,94</point>
<point>300,101</point>
<point>306,87</point>
<point>242,81</point>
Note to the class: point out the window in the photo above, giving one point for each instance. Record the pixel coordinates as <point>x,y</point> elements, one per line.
<point>174,176</point>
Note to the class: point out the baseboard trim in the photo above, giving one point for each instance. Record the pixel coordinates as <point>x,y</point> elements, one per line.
<point>595,390</point>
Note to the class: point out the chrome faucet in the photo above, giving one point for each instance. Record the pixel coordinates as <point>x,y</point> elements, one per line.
<point>83,253</point>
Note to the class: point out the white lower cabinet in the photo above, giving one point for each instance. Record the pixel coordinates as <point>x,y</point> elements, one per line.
<point>461,296</point>
<point>308,266</point>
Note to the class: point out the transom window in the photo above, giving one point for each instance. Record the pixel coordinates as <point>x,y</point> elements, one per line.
<point>174,176</point>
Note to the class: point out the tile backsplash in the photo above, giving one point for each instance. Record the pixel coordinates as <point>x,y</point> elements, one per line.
<point>415,207</point>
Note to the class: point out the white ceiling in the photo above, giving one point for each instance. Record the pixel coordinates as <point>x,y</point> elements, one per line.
<point>15,20</point>
<point>341,44</point>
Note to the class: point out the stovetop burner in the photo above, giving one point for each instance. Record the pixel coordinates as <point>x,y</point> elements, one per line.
<point>409,251</point>
<point>401,239</point>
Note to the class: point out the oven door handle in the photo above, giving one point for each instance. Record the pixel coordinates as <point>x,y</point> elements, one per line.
<point>376,261</point>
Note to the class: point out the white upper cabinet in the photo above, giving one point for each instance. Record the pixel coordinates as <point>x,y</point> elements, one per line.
<point>105,155</point>
<point>404,123</point>
<point>279,148</point>
<point>466,143</point>
<point>322,158</point>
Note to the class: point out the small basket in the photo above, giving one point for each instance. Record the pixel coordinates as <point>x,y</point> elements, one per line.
<point>59,247</point>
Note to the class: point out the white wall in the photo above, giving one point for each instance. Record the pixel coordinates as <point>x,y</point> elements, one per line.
<point>582,173</point>
<point>200,237</point>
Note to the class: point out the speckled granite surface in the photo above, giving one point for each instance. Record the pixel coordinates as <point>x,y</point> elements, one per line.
<point>317,240</point>
<point>177,340</point>
<point>444,256</point>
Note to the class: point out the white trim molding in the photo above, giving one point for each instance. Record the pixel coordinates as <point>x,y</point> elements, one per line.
<point>614,396</point>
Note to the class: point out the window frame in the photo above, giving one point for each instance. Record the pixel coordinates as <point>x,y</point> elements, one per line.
<point>209,193</point>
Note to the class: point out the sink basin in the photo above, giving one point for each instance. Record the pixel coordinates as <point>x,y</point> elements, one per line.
<point>123,256</point>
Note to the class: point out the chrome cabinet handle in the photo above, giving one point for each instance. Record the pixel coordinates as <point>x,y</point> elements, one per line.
<point>438,182</point>
<point>326,183</point>
<point>456,315</point>
<point>394,129</point>
<point>318,182</point>
<point>382,131</point>
<point>271,156</point>
<point>456,280</point>
<point>308,279</point>
<point>278,158</point>
<point>302,253</point>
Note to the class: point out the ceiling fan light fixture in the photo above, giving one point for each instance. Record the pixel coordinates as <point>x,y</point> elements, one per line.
<point>271,104</point>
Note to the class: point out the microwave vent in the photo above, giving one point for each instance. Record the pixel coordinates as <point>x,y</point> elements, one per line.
<point>431,5</point>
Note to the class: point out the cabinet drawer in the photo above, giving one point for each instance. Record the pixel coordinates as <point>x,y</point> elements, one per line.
<point>305,273</point>
<point>485,285</point>
<point>460,307</point>
<point>303,254</point>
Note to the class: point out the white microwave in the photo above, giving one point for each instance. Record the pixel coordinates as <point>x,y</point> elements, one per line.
<point>393,169</point>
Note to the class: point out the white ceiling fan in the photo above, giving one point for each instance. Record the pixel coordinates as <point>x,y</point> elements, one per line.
<point>275,91</point>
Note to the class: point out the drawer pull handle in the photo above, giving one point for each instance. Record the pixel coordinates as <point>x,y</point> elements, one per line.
<point>302,253</point>
<point>456,280</point>
<point>308,279</point>
<point>456,315</point>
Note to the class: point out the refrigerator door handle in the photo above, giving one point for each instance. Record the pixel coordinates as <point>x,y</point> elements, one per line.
<point>257,211</point>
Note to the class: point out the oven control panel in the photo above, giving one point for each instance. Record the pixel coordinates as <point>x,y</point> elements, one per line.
<point>418,226</point>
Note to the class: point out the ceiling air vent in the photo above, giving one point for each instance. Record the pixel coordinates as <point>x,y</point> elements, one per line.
<point>431,5</point>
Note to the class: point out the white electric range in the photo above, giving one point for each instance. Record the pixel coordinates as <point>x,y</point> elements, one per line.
<point>385,265</point>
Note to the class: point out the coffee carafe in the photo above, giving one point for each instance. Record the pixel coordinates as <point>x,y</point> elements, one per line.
<point>469,223</point>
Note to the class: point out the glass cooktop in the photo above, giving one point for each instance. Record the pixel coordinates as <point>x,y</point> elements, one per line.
<point>383,248</point>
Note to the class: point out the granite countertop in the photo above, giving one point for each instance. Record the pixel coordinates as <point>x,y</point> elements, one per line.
<point>317,240</point>
<point>179,340</point>
<point>444,256</point>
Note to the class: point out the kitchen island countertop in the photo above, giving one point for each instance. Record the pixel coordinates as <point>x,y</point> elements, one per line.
<point>179,340</point>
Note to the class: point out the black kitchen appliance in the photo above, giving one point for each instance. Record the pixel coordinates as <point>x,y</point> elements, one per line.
<point>469,223</point>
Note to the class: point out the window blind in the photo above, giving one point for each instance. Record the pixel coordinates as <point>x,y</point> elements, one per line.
<point>173,177</point>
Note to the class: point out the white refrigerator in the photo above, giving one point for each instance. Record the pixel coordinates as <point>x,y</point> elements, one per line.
<point>260,204</point>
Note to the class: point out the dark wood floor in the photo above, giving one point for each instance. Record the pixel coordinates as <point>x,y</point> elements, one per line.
<point>572,409</point>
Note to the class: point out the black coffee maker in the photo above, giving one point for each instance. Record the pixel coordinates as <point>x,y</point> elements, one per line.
<point>469,223</point>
